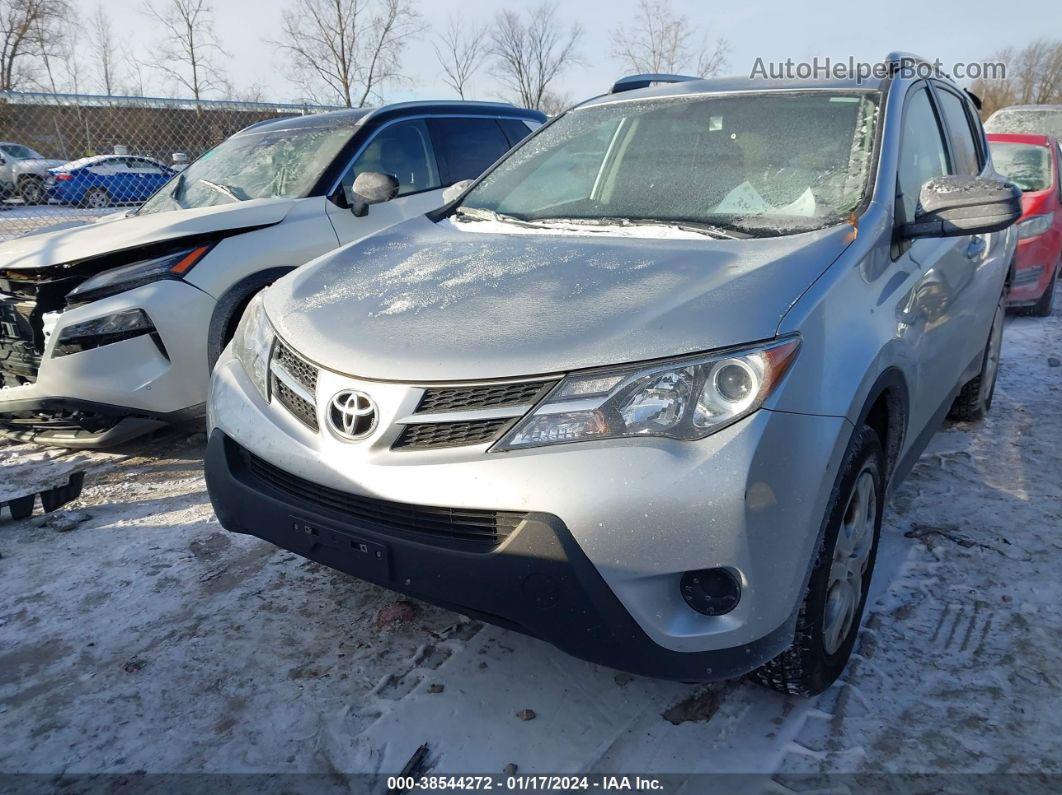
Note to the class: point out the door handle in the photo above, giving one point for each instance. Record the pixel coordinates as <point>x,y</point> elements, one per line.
<point>976,248</point>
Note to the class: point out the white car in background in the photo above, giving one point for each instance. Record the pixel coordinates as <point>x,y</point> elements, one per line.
<point>110,329</point>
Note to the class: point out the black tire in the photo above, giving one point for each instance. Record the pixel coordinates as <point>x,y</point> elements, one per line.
<point>975,398</point>
<point>809,666</point>
<point>97,198</point>
<point>1042,308</point>
<point>31,189</point>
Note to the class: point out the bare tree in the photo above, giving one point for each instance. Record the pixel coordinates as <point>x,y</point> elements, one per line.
<point>187,52</point>
<point>460,50</point>
<point>1033,77</point>
<point>661,40</point>
<point>104,50</point>
<point>531,54</point>
<point>28,34</point>
<point>346,50</point>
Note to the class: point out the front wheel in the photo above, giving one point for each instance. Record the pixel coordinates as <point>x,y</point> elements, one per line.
<point>833,603</point>
<point>1042,308</point>
<point>975,398</point>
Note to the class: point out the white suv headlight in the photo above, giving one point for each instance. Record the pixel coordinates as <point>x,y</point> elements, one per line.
<point>686,398</point>
<point>253,342</point>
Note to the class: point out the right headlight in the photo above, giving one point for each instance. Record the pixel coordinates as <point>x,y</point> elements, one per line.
<point>253,342</point>
<point>686,398</point>
<point>1037,225</point>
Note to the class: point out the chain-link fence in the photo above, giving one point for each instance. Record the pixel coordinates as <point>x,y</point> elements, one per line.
<point>69,157</point>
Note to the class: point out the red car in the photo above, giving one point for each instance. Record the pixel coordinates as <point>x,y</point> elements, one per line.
<point>1033,162</point>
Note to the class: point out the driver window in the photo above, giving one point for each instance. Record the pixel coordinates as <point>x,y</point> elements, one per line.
<point>922,154</point>
<point>402,150</point>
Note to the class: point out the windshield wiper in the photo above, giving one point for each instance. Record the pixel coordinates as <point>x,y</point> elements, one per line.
<point>709,230</point>
<point>482,214</point>
<point>224,190</point>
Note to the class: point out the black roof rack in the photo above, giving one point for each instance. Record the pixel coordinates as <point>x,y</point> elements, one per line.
<point>632,82</point>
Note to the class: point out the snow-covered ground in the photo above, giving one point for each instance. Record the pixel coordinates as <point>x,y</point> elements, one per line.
<point>147,638</point>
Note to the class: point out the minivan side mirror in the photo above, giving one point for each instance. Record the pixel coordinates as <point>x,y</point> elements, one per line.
<point>951,206</point>
<point>453,193</point>
<point>372,187</point>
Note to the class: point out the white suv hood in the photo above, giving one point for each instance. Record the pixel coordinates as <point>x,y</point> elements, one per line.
<point>108,234</point>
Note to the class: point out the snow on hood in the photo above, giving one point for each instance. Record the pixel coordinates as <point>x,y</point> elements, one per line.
<point>116,234</point>
<point>428,302</point>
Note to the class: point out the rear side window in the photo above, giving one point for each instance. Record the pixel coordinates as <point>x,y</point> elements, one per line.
<point>962,140</point>
<point>922,153</point>
<point>515,130</point>
<point>466,147</point>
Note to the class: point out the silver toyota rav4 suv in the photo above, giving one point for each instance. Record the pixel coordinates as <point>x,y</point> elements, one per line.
<point>643,389</point>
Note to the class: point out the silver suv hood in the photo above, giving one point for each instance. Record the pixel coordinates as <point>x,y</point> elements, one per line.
<point>428,302</point>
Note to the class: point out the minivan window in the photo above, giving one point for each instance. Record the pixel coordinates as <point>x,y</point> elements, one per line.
<point>922,152</point>
<point>757,164</point>
<point>466,147</point>
<point>254,165</point>
<point>402,150</point>
<point>962,141</point>
<point>1026,165</point>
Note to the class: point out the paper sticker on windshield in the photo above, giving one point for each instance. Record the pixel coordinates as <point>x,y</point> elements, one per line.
<point>743,200</point>
<point>803,206</point>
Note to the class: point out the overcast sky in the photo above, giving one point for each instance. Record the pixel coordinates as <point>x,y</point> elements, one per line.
<point>771,29</point>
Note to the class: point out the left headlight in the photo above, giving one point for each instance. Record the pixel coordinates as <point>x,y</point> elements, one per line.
<point>686,398</point>
<point>253,342</point>
<point>117,280</point>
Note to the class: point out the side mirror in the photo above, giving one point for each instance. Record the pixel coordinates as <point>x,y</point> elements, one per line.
<point>372,187</point>
<point>951,206</point>
<point>453,193</point>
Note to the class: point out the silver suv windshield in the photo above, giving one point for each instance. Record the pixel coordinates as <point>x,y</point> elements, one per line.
<point>752,164</point>
<point>269,164</point>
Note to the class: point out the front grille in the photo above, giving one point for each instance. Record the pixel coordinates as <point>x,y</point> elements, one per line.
<point>471,529</point>
<point>304,373</point>
<point>463,398</point>
<point>427,435</point>
<point>293,402</point>
<point>25,297</point>
<point>299,369</point>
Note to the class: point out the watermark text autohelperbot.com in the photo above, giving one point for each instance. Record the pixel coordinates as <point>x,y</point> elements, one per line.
<point>848,68</point>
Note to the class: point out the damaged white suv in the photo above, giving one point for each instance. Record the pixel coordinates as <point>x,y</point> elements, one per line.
<point>109,329</point>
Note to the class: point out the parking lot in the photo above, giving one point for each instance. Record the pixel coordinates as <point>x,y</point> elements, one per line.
<point>137,635</point>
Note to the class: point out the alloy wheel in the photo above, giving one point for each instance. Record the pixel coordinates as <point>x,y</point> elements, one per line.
<point>851,555</point>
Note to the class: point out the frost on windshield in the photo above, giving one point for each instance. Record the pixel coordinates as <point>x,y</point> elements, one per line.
<point>769,163</point>
<point>262,165</point>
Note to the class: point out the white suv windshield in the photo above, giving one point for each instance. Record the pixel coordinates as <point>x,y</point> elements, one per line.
<point>757,164</point>
<point>269,164</point>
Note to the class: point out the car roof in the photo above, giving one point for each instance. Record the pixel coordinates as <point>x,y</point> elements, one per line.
<point>1035,139</point>
<point>732,85</point>
<point>356,117</point>
<point>88,161</point>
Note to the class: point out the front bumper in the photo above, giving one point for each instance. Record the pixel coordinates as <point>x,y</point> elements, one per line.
<point>639,513</point>
<point>539,582</point>
<point>1034,265</point>
<point>80,398</point>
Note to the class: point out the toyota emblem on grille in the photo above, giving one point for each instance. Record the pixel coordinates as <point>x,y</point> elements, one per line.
<point>352,414</point>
